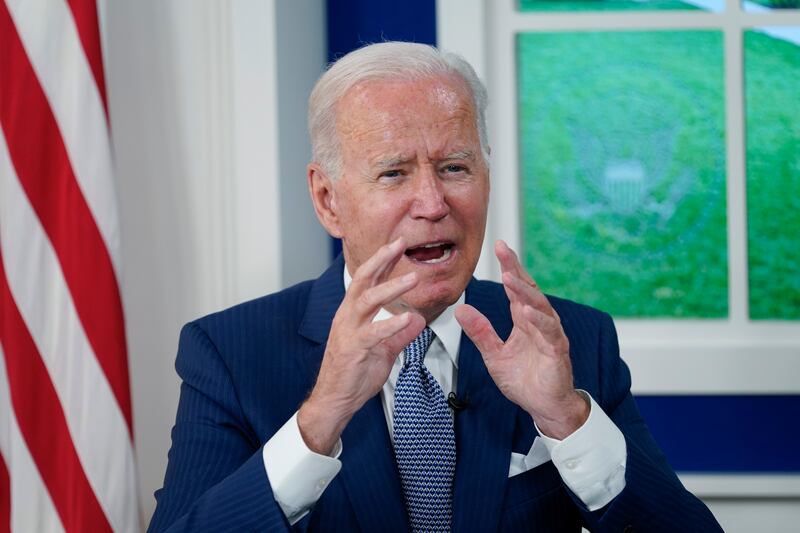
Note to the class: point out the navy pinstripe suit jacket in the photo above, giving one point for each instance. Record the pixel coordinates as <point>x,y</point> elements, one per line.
<point>246,370</point>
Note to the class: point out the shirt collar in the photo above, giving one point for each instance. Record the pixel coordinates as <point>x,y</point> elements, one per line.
<point>445,326</point>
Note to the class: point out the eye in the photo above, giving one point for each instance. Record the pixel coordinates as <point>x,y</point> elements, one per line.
<point>454,168</point>
<point>391,174</point>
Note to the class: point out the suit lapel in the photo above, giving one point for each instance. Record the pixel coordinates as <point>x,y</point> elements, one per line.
<point>368,470</point>
<point>484,431</point>
<point>324,298</point>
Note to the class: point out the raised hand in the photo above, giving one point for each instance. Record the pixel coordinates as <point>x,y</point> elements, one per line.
<point>360,353</point>
<point>532,368</point>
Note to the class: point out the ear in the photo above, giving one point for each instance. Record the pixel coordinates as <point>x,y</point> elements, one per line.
<point>320,186</point>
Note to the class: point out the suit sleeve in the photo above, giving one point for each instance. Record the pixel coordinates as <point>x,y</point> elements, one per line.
<point>215,479</point>
<point>653,500</point>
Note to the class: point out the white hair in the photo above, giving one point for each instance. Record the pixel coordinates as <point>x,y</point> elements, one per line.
<point>389,60</point>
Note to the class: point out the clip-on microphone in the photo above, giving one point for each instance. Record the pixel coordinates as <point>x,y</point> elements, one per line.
<point>457,404</point>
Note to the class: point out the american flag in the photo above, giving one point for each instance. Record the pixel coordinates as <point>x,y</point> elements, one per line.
<point>66,428</point>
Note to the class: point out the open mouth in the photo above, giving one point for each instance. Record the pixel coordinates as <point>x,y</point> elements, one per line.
<point>430,254</point>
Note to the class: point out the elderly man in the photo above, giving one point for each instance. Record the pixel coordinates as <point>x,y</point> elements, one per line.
<point>354,402</point>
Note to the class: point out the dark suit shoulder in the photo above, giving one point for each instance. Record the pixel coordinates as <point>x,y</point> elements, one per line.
<point>574,314</point>
<point>271,310</point>
<point>254,338</point>
<point>252,354</point>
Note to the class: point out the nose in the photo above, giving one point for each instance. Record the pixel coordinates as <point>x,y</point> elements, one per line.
<point>430,201</point>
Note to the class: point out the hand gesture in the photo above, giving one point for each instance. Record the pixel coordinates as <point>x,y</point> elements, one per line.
<point>532,368</point>
<point>360,353</point>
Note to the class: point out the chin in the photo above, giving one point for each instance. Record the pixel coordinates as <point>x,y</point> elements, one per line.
<point>430,299</point>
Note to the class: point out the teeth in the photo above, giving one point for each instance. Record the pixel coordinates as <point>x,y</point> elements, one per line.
<point>440,259</point>
<point>432,245</point>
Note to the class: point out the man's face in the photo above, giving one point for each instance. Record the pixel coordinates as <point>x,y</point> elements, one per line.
<point>413,168</point>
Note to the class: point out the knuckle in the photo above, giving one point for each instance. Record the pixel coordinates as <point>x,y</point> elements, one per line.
<point>360,273</point>
<point>366,299</point>
<point>370,334</point>
<point>382,327</point>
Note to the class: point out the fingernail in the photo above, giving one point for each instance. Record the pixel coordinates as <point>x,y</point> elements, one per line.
<point>408,278</point>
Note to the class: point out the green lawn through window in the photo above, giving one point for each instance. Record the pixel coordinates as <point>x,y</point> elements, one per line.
<point>622,147</point>
<point>772,83</point>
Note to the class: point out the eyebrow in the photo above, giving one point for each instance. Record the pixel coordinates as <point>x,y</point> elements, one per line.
<point>463,154</point>
<point>393,161</point>
<point>402,160</point>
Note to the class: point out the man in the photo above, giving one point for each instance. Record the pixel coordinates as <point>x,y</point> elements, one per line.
<point>323,407</point>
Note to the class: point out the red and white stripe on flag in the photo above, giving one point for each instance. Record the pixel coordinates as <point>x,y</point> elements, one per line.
<point>66,433</point>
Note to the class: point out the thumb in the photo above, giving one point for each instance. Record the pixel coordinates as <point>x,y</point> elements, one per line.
<point>479,330</point>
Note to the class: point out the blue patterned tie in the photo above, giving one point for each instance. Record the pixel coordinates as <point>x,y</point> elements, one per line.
<point>424,441</point>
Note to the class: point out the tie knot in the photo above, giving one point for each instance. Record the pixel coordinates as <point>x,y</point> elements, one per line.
<point>415,352</point>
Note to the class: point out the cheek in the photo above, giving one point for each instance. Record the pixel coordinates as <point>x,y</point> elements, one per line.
<point>369,225</point>
<point>472,206</point>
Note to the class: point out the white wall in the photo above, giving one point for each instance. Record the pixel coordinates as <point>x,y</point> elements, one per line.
<point>211,196</point>
<point>746,515</point>
<point>302,55</point>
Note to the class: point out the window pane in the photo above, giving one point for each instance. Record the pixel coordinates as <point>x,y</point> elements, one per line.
<point>766,5</point>
<point>772,93</point>
<point>623,169</point>
<point>622,5</point>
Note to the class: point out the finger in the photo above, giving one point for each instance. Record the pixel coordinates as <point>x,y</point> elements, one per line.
<point>549,337</point>
<point>380,330</point>
<point>479,330</point>
<point>396,342</point>
<point>377,266</point>
<point>517,303</point>
<point>509,262</point>
<point>521,321</point>
<point>369,302</point>
<point>527,293</point>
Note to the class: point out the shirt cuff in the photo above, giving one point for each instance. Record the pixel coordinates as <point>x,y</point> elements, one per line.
<point>591,461</point>
<point>297,475</point>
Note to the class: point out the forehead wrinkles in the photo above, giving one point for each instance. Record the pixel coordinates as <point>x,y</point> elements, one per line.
<point>429,132</point>
<point>389,111</point>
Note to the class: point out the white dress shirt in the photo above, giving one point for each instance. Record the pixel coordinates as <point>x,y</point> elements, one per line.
<point>591,461</point>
